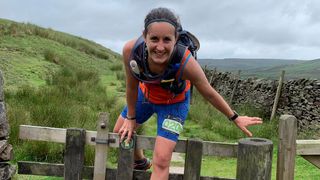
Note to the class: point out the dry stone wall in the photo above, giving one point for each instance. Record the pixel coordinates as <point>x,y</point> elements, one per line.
<point>300,98</point>
<point>6,152</point>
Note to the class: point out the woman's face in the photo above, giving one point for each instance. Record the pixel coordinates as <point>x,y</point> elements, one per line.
<point>160,39</point>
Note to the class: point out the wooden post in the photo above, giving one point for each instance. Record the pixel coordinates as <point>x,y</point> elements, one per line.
<point>254,159</point>
<point>276,99</point>
<point>74,154</point>
<point>101,147</point>
<point>286,147</point>
<point>193,160</point>
<point>126,160</point>
<point>237,79</point>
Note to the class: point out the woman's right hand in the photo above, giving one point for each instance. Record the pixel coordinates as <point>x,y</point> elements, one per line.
<point>127,129</point>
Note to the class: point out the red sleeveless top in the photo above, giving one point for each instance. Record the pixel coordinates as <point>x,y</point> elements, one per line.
<point>158,95</point>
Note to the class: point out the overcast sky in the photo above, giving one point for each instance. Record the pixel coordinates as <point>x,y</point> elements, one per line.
<point>288,29</point>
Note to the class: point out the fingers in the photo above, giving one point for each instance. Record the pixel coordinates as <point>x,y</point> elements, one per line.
<point>122,133</point>
<point>254,121</point>
<point>125,132</point>
<point>129,136</point>
<point>246,131</point>
<point>246,121</point>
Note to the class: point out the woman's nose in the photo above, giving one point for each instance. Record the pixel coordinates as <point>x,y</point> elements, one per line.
<point>160,46</point>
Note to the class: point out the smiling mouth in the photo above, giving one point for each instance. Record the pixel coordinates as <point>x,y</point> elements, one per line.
<point>159,54</point>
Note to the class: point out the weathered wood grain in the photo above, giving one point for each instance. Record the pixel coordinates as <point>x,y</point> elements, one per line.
<point>101,147</point>
<point>308,147</point>
<point>47,169</point>
<point>287,147</point>
<point>193,160</point>
<point>74,154</point>
<point>254,159</point>
<point>39,133</point>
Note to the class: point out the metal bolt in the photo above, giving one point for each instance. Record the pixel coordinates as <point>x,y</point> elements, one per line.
<point>103,125</point>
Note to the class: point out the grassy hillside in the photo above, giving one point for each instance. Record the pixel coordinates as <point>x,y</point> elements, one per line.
<point>305,69</point>
<point>266,68</point>
<point>58,80</point>
<point>30,54</point>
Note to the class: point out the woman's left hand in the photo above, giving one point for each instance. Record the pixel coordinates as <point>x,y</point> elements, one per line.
<point>244,121</point>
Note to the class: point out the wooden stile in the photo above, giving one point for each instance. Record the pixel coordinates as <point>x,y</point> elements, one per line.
<point>125,162</point>
<point>74,154</point>
<point>39,133</point>
<point>101,147</point>
<point>254,159</point>
<point>286,147</point>
<point>194,149</point>
<point>193,160</point>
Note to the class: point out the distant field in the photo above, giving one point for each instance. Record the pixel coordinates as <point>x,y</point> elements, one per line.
<point>266,68</point>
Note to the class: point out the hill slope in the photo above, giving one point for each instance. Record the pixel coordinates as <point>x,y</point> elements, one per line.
<point>30,54</point>
<point>266,68</point>
<point>306,69</point>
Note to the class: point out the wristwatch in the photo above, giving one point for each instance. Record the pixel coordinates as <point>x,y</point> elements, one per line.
<point>131,118</point>
<point>234,117</point>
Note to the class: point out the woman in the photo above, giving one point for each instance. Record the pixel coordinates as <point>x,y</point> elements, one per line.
<point>158,76</point>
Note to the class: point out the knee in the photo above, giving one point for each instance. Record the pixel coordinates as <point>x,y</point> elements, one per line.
<point>161,161</point>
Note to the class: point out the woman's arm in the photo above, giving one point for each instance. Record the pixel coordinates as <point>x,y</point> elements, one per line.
<point>131,94</point>
<point>195,74</point>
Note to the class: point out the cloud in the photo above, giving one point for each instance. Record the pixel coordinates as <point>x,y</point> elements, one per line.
<point>247,28</point>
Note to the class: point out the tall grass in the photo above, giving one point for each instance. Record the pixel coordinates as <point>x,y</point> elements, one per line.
<point>73,98</point>
<point>207,117</point>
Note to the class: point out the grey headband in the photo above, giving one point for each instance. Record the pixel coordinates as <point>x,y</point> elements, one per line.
<point>160,20</point>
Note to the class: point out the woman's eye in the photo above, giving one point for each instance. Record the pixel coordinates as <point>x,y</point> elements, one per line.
<point>167,39</point>
<point>153,38</point>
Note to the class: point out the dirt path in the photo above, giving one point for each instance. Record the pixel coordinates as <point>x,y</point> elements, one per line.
<point>177,158</point>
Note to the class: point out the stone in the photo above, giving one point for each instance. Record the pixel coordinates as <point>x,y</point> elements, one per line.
<point>4,126</point>
<point>7,171</point>
<point>1,87</point>
<point>4,131</point>
<point>3,118</point>
<point>7,153</point>
<point>3,145</point>
<point>300,97</point>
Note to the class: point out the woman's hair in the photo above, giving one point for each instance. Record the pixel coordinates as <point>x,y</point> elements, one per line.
<point>161,15</point>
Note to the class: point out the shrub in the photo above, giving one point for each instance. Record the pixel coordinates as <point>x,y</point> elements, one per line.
<point>116,66</point>
<point>50,56</point>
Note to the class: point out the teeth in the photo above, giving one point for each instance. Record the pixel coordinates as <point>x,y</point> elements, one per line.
<point>160,54</point>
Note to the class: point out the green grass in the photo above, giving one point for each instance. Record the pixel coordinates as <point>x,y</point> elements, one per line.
<point>58,80</point>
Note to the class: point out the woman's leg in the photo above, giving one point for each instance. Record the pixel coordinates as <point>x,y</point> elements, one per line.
<point>170,124</point>
<point>161,158</point>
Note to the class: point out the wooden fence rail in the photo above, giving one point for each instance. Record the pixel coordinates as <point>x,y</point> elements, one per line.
<point>289,147</point>
<point>259,160</point>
